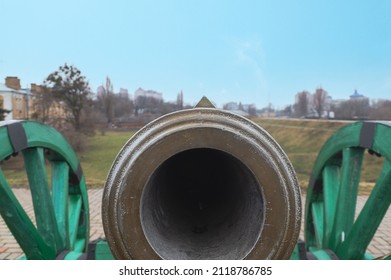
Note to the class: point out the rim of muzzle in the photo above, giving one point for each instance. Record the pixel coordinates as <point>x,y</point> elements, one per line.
<point>196,128</point>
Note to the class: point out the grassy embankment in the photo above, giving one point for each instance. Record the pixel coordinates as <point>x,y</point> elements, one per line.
<point>300,139</point>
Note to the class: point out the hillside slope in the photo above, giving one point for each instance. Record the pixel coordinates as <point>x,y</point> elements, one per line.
<point>302,141</point>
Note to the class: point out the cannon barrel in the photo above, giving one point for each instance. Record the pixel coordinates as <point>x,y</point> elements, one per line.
<point>201,184</point>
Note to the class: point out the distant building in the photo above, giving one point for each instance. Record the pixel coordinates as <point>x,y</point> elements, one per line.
<point>147,101</point>
<point>231,106</point>
<point>43,109</point>
<point>148,94</point>
<point>27,103</point>
<point>100,91</point>
<point>123,92</point>
<point>309,107</point>
<point>311,101</point>
<point>357,96</point>
<point>14,99</point>
<point>336,103</point>
<point>241,109</point>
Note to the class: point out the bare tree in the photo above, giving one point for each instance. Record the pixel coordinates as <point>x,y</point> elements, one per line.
<point>320,98</point>
<point>353,109</point>
<point>3,112</point>
<point>252,110</point>
<point>381,110</point>
<point>70,88</point>
<point>287,111</point>
<point>147,104</point>
<point>302,102</point>
<point>42,103</point>
<point>106,100</point>
<point>123,106</point>
<point>179,101</point>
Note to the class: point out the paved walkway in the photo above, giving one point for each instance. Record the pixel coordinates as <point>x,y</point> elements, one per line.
<point>9,249</point>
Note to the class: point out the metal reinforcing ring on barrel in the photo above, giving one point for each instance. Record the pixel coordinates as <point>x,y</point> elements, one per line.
<point>201,184</point>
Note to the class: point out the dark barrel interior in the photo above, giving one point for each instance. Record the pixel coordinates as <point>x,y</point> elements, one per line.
<point>202,204</point>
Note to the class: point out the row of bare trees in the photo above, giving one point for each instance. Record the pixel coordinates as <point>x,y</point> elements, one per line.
<point>363,109</point>
<point>320,105</point>
<point>111,105</point>
<point>66,102</point>
<point>308,104</point>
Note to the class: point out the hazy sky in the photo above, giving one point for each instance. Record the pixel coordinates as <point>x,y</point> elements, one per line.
<point>249,51</point>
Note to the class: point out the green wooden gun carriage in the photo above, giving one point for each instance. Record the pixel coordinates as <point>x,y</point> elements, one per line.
<point>197,184</point>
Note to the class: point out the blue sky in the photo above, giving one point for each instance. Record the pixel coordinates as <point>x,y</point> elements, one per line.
<point>250,51</point>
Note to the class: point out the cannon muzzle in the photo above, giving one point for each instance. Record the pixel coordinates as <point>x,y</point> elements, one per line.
<point>201,184</point>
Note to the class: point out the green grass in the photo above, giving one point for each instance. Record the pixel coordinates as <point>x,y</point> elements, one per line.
<point>95,161</point>
<point>101,152</point>
<point>300,139</point>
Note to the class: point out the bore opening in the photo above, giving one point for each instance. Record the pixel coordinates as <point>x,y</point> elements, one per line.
<point>202,204</point>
